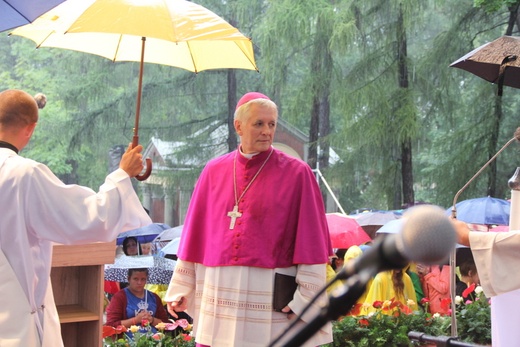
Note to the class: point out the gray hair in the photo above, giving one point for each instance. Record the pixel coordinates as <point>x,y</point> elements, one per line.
<point>242,113</point>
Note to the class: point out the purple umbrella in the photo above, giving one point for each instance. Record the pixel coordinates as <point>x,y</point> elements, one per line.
<point>14,13</point>
<point>144,234</point>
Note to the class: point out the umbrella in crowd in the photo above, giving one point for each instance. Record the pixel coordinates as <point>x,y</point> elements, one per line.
<point>488,211</point>
<point>170,32</point>
<point>371,221</point>
<point>14,13</point>
<point>171,248</point>
<point>345,231</point>
<point>168,235</point>
<point>392,227</point>
<point>379,217</point>
<point>144,234</point>
<point>160,270</point>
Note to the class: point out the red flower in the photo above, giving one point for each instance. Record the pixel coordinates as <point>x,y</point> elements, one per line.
<point>445,304</point>
<point>468,290</point>
<point>394,303</point>
<point>364,322</point>
<point>186,337</point>
<point>355,310</point>
<point>425,301</point>
<point>108,331</point>
<point>377,304</point>
<point>406,310</point>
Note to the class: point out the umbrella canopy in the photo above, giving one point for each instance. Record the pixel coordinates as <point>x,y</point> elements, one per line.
<point>171,248</point>
<point>371,221</point>
<point>345,231</point>
<point>488,210</point>
<point>14,13</point>
<point>392,227</point>
<point>179,33</point>
<point>375,217</point>
<point>160,270</point>
<point>144,234</point>
<point>169,234</point>
<point>497,62</point>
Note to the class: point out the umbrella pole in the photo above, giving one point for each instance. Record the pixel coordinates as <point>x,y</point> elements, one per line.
<point>135,139</point>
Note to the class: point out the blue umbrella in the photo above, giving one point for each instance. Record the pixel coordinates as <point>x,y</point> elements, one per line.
<point>488,210</point>
<point>14,13</point>
<point>145,234</point>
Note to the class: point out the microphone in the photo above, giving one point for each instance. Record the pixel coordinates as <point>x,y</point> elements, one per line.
<point>426,236</point>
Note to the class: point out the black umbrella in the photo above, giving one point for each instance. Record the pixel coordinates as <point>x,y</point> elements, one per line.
<point>497,61</point>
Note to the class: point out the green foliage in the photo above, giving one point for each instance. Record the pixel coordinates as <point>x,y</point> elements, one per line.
<point>388,328</point>
<point>391,322</point>
<point>474,317</point>
<point>342,53</point>
<point>495,5</point>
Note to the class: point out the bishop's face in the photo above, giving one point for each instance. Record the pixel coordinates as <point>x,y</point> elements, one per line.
<point>257,131</point>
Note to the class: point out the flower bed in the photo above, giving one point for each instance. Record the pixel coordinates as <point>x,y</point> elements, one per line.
<point>388,325</point>
<point>144,337</point>
<point>391,322</point>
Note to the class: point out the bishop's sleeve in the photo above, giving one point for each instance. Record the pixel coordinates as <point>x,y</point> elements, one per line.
<point>496,257</point>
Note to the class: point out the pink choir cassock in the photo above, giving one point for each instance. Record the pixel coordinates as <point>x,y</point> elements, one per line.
<point>283,217</point>
<point>226,271</point>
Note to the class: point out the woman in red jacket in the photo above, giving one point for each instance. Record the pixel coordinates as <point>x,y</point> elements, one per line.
<point>134,304</point>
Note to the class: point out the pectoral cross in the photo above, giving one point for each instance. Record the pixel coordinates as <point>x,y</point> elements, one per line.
<point>234,215</point>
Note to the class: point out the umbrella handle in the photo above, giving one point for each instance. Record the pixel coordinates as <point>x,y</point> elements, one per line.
<point>148,170</point>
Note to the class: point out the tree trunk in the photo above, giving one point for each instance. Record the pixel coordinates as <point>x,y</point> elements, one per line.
<point>492,147</point>
<point>232,102</point>
<point>406,144</point>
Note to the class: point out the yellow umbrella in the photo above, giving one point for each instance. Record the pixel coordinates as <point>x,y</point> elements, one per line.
<point>174,32</point>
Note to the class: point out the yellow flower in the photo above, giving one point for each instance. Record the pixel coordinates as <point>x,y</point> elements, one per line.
<point>410,302</point>
<point>161,326</point>
<point>134,328</point>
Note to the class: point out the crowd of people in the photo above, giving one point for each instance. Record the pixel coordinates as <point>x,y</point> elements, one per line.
<point>409,285</point>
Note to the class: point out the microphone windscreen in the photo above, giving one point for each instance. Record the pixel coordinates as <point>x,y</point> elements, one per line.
<point>428,236</point>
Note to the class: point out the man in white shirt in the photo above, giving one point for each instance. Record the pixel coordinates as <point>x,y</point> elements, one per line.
<point>37,210</point>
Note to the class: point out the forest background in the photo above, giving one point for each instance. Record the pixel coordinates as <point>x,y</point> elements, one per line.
<point>369,79</point>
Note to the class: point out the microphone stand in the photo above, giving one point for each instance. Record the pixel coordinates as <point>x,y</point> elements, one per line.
<point>440,341</point>
<point>339,304</point>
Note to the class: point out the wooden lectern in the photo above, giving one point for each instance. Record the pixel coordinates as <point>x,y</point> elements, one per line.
<point>77,278</point>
